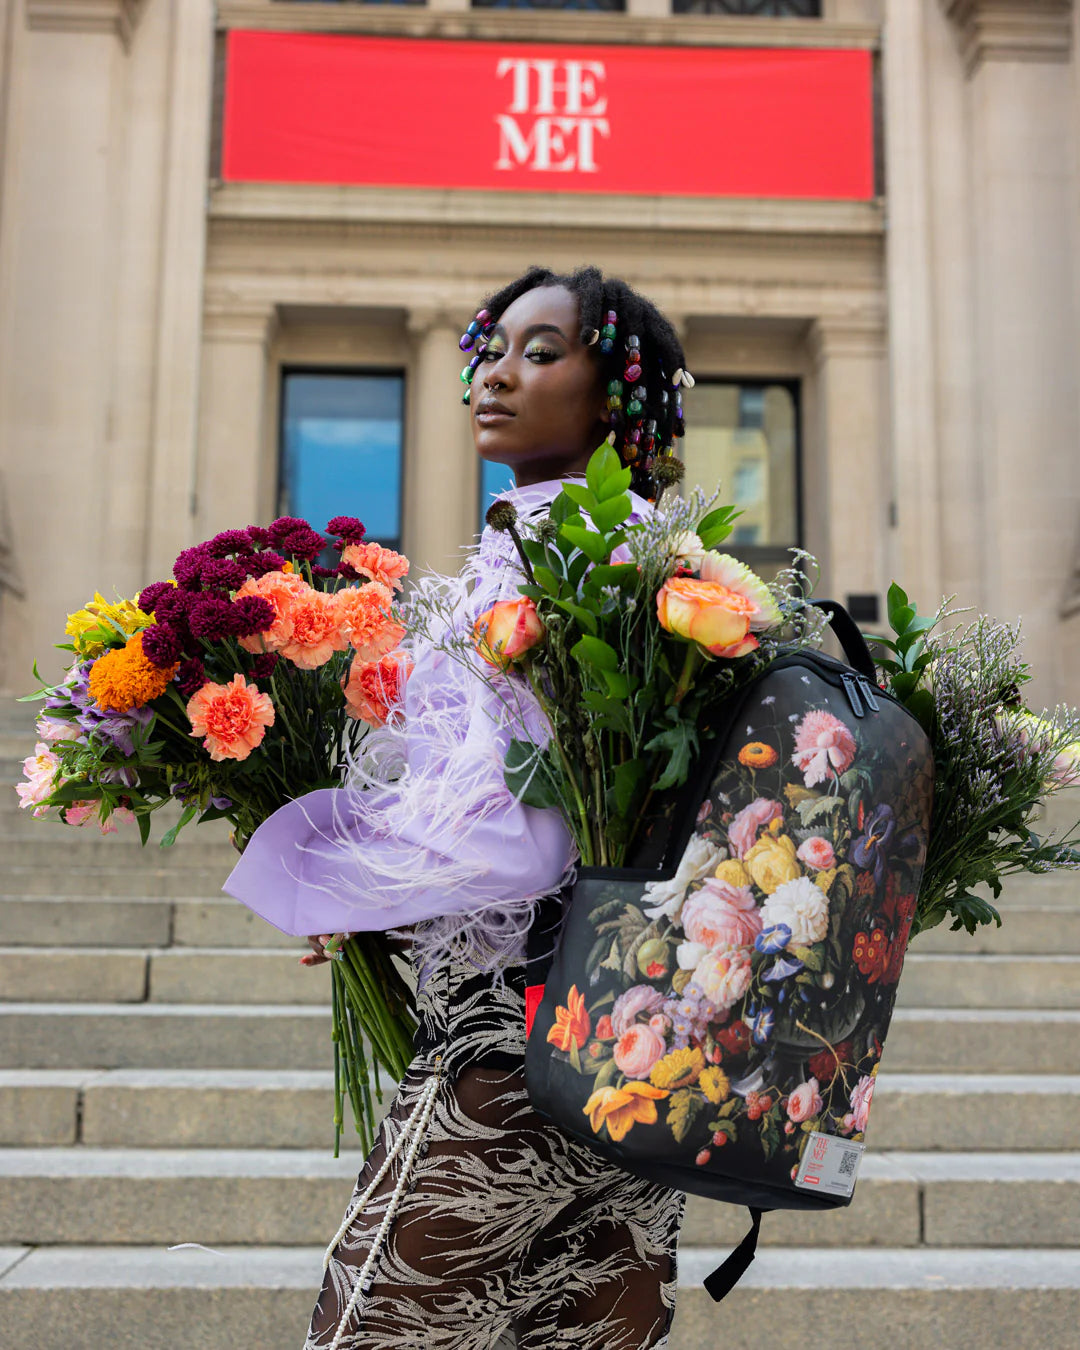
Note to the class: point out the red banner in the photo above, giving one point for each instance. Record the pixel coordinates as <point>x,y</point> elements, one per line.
<point>682,121</point>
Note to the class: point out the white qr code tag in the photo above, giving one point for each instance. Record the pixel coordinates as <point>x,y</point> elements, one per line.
<point>829,1164</point>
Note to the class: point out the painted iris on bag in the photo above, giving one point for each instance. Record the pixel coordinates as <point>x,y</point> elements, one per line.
<point>751,993</point>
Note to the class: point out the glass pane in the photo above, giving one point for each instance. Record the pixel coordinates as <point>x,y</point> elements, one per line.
<point>549,4</point>
<point>494,478</point>
<point>341,450</point>
<point>773,9</point>
<point>744,439</point>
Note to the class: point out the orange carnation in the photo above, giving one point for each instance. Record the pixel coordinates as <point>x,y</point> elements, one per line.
<point>364,613</point>
<point>374,687</point>
<point>621,1108</point>
<point>572,1024</point>
<point>378,563</point>
<point>316,629</point>
<point>123,678</point>
<point>280,589</point>
<point>232,717</point>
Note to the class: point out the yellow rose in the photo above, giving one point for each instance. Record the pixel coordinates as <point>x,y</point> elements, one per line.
<point>732,871</point>
<point>707,613</point>
<point>772,861</point>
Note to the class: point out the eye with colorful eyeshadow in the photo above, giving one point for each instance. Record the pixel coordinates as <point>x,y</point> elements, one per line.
<point>541,352</point>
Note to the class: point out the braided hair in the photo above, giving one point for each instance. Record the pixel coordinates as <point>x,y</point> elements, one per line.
<point>641,363</point>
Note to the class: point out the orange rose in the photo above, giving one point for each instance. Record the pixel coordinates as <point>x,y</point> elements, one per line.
<point>366,620</point>
<point>505,632</point>
<point>378,563</point>
<point>372,688</point>
<point>621,1108</point>
<point>572,1024</point>
<point>232,717</point>
<point>280,589</point>
<point>707,613</point>
<point>316,629</point>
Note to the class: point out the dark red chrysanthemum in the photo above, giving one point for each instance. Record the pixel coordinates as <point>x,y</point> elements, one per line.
<point>191,676</point>
<point>258,564</point>
<point>252,614</point>
<point>258,536</point>
<point>346,528</point>
<point>212,619</point>
<point>229,541</point>
<point>161,645</point>
<point>188,567</point>
<point>150,595</point>
<point>349,573</point>
<point>223,572</point>
<point>262,666</point>
<point>296,537</point>
<point>318,571</point>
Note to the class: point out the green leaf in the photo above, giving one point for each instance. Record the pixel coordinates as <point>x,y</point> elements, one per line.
<point>614,485</point>
<point>593,545</point>
<point>607,1075</point>
<point>628,778</point>
<point>683,1108</point>
<point>547,578</point>
<point>603,462</point>
<point>618,684</point>
<point>533,592</point>
<point>809,956</point>
<point>680,741</point>
<point>896,601</point>
<point>582,497</point>
<point>611,513</point>
<point>143,822</point>
<point>527,777</point>
<point>585,617</point>
<point>595,652</point>
<point>714,528</point>
<point>188,814</point>
<point>563,507</point>
<point>624,575</point>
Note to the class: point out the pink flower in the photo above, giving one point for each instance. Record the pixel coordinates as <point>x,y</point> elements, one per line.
<point>804,1102</point>
<point>660,1023</point>
<point>637,1050</point>
<point>374,688</point>
<point>379,564</point>
<point>861,1098</point>
<point>822,743</point>
<point>506,631</point>
<point>724,976</point>
<point>639,999</point>
<point>82,813</point>
<point>721,914</point>
<point>232,717</point>
<point>41,769</point>
<point>53,729</point>
<point>817,853</point>
<point>743,830</point>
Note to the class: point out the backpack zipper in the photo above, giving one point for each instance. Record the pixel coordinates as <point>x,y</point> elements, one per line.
<point>869,693</point>
<point>851,688</point>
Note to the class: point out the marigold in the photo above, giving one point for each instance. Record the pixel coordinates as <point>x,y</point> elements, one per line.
<point>572,1024</point>
<point>678,1069</point>
<point>758,755</point>
<point>364,613</point>
<point>715,1084</point>
<point>96,626</point>
<point>231,717</point>
<point>621,1108</point>
<point>124,679</point>
<point>378,563</point>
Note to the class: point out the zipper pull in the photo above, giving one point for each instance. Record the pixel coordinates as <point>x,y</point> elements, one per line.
<point>868,693</point>
<point>851,688</point>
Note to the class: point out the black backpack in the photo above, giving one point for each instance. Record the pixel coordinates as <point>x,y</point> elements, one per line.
<point>715,1024</point>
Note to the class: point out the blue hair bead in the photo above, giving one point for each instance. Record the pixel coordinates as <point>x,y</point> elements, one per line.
<point>473,329</point>
<point>606,345</point>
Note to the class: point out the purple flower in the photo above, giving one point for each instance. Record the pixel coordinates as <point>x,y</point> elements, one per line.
<point>212,619</point>
<point>188,566</point>
<point>258,564</point>
<point>262,666</point>
<point>774,939</point>
<point>346,528</point>
<point>150,595</point>
<point>318,571</point>
<point>229,541</point>
<point>222,803</point>
<point>191,676</point>
<point>258,536</point>
<point>294,536</point>
<point>873,847</point>
<point>782,969</point>
<point>161,645</point>
<point>763,1026</point>
<point>252,614</point>
<point>223,572</point>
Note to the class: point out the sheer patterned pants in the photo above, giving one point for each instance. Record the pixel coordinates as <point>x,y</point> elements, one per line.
<point>506,1227</point>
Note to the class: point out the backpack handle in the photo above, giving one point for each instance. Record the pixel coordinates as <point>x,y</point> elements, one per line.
<point>851,639</point>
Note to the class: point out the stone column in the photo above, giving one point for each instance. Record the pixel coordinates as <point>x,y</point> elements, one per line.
<point>236,465</point>
<point>1022,155</point>
<point>441,473</point>
<point>846,465</point>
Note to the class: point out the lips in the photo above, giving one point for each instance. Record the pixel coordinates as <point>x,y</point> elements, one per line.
<point>491,409</point>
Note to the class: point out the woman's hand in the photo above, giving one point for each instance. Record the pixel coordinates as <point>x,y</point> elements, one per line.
<point>319,955</point>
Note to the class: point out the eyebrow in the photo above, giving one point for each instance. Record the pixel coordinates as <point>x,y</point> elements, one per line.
<point>532,331</point>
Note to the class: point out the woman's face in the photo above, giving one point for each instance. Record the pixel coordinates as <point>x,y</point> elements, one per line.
<point>538,403</point>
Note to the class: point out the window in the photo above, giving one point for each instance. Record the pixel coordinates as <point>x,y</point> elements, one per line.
<point>341,434</point>
<point>773,9</point>
<point>494,478</point>
<point>550,4</point>
<point>744,437</point>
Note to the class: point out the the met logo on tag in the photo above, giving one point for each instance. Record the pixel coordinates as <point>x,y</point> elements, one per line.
<point>554,118</point>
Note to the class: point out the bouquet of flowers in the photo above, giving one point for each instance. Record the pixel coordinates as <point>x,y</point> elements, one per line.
<point>247,679</point>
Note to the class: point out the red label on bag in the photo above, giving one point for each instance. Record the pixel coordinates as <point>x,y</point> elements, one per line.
<point>534,996</point>
<point>793,122</point>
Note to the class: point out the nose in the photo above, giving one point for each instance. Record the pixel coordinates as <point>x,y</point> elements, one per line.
<point>500,375</point>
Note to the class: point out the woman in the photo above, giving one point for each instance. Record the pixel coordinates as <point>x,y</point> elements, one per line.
<point>473,1217</point>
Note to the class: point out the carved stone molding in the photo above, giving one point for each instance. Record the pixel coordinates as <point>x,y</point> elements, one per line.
<point>240,320</point>
<point>862,336</point>
<point>1012,30</point>
<point>86,16</point>
<point>423,319</point>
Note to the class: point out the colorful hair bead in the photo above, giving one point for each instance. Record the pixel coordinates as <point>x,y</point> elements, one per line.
<point>466,396</point>
<point>466,341</point>
<point>467,374</point>
<point>632,372</point>
<point>641,393</point>
<point>633,407</point>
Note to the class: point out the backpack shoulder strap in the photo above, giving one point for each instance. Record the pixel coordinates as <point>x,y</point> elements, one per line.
<point>728,1274</point>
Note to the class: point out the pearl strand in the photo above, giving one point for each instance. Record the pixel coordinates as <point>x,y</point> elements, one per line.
<point>420,1116</point>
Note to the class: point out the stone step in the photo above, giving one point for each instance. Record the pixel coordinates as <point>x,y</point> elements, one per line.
<point>1028,930</point>
<point>172,975</point>
<point>143,1298</point>
<point>967,981</point>
<point>122,1036</point>
<point>87,847</point>
<point>993,1040</point>
<point>84,1195</point>
<point>150,878</point>
<point>136,921</point>
<point>236,1108</point>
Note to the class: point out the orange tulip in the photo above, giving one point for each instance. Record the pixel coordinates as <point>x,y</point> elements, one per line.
<point>572,1025</point>
<point>505,632</point>
<point>621,1108</point>
<point>707,613</point>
